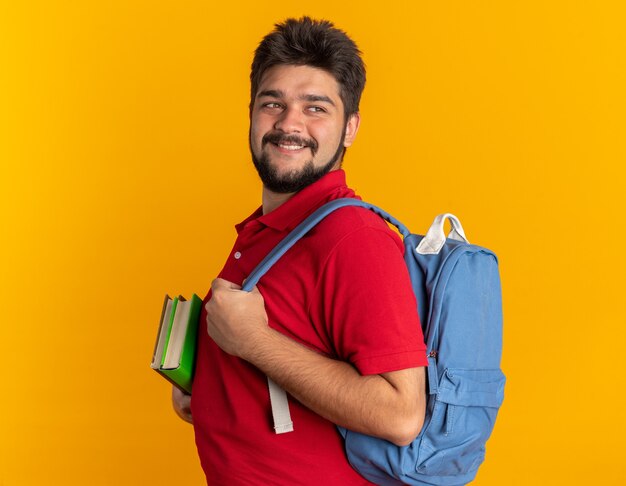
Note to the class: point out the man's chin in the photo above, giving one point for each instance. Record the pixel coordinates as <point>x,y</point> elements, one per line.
<point>288,169</point>
<point>286,173</point>
<point>290,176</point>
<point>285,182</point>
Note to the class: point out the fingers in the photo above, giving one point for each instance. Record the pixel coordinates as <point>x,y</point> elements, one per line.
<point>182,404</point>
<point>178,394</point>
<point>222,284</point>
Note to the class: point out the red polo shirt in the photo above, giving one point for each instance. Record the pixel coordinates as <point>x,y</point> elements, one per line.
<point>343,291</point>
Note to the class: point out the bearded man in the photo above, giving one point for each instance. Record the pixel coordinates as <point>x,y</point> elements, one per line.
<point>334,321</point>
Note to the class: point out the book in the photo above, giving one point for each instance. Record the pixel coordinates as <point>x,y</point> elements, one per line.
<point>174,354</point>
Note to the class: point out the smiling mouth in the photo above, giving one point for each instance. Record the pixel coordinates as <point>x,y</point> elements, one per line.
<point>289,143</point>
<point>289,146</point>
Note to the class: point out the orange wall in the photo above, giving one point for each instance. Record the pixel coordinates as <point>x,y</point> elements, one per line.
<point>125,164</point>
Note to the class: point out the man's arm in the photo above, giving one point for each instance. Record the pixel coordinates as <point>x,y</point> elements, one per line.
<point>390,405</point>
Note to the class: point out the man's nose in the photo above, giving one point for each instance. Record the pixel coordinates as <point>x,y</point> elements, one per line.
<point>290,121</point>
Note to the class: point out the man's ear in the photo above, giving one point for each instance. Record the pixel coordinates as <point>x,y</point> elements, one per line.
<point>352,127</point>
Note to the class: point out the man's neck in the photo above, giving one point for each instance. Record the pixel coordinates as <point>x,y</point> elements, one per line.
<point>271,200</point>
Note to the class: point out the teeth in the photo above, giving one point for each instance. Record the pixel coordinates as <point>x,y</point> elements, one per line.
<point>291,147</point>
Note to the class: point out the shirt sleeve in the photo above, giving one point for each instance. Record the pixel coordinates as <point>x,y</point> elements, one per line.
<point>367,306</point>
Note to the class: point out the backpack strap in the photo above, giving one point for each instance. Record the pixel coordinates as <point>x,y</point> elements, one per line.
<point>278,397</point>
<point>304,227</point>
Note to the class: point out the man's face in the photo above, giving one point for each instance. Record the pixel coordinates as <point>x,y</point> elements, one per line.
<point>297,127</point>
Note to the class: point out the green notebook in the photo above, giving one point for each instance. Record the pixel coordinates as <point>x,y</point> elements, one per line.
<point>174,354</point>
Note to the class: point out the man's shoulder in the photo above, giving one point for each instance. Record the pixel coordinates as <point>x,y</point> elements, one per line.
<point>351,223</point>
<point>353,217</point>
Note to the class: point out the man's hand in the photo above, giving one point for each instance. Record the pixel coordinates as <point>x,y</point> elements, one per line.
<point>236,319</point>
<point>182,404</point>
<point>390,405</point>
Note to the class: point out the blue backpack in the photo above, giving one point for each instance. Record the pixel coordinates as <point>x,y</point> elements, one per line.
<point>457,287</point>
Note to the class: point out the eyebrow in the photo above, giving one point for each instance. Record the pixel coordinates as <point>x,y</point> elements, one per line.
<point>317,98</point>
<point>277,93</point>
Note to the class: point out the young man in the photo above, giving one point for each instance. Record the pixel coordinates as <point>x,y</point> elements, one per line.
<point>334,322</point>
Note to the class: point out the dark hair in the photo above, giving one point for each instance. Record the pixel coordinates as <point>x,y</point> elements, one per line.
<point>315,43</point>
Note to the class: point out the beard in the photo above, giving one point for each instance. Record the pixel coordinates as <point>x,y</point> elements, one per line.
<point>298,179</point>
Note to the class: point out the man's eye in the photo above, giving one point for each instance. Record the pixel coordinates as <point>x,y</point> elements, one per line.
<point>271,104</point>
<point>316,109</point>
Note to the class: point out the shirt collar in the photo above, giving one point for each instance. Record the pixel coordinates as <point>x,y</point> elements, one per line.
<point>301,204</point>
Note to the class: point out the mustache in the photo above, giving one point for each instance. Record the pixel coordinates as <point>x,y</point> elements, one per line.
<point>281,138</point>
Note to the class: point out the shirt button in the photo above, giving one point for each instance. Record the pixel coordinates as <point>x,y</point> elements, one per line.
<point>237,255</point>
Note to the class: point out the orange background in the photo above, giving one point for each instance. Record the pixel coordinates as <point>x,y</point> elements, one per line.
<point>123,149</point>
